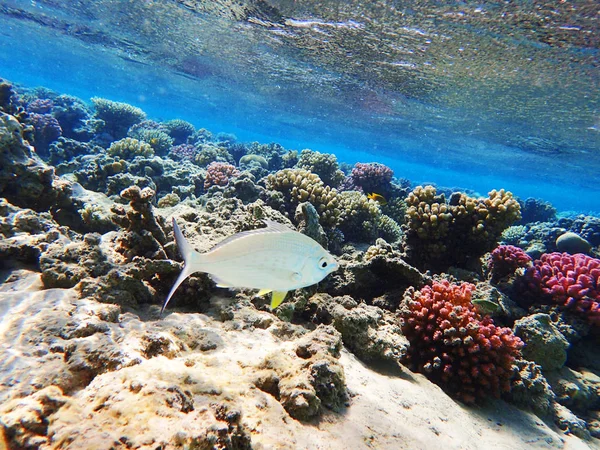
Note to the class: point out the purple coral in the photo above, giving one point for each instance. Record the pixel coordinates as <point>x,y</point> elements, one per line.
<point>40,106</point>
<point>218,174</point>
<point>372,177</point>
<point>183,152</point>
<point>506,259</point>
<point>47,130</point>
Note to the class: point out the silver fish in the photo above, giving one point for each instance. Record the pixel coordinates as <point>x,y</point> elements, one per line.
<point>274,259</point>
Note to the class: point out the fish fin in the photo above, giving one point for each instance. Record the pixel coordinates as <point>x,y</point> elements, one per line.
<point>272,227</point>
<point>276,298</point>
<point>264,292</point>
<point>192,262</point>
<point>219,282</point>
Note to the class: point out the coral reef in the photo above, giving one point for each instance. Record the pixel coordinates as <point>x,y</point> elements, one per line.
<point>153,134</point>
<point>300,185</point>
<point>183,152</point>
<point>505,260</point>
<point>219,174</point>
<point>47,130</point>
<point>440,234</point>
<point>467,355</point>
<point>571,281</point>
<point>323,164</point>
<point>372,177</point>
<point>118,117</point>
<point>179,130</point>
<point>129,148</point>
<point>536,210</point>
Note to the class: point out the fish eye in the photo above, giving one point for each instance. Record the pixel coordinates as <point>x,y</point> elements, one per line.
<point>323,263</point>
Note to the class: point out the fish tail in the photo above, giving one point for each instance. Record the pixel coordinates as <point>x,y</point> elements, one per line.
<point>193,261</point>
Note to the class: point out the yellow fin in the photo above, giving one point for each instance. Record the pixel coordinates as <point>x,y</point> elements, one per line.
<point>263,292</point>
<point>277,298</point>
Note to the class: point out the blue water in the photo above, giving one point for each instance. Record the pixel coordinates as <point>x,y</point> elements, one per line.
<point>416,138</point>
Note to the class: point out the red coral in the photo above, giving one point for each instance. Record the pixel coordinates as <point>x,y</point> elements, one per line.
<point>372,177</point>
<point>456,348</point>
<point>572,281</point>
<point>506,259</point>
<point>218,174</point>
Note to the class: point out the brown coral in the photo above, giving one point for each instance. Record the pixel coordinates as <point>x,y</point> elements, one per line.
<point>299,185</point>
<point>441,233</point>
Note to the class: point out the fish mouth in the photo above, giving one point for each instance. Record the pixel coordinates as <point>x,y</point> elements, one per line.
<point>334,266</point>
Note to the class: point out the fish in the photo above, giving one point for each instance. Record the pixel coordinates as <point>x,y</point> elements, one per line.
<point>378,198</point>
<point>485,306</point>
<point>275,259</point>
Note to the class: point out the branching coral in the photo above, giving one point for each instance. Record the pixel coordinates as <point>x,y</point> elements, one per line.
<point>572,281</point>
<point>323,164</point>
<point>129,148</point>
<point>219,174</point>
<point>506,259</point>
<point>118,117</point>
<point>152,133</point>
<point>179,130</point>
<point>360,217</point>
<point>47,130</point>
<point>441,233</point>
<point>183,152</point>
<point>467,355</point>
<point>300,185</point>
<point>372,177</point>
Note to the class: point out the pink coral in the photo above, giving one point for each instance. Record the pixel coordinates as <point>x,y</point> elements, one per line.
<point>451,343</point>
<point>372,177</point>
<point>506,259</point>
<point>218,174</point>
<point>572,281</point>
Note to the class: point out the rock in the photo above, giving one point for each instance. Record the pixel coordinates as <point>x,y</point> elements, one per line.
<point>531,389</point>
<point>544,344</point>
<point>572,243</point>
<point>577,390</point>
<point>307,219</point>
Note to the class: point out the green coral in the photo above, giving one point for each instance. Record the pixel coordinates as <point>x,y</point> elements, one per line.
<point>300,185</point>
<point>118,117</point>
<point>389,229</point>
<point>210,153</point>
<point>512,235</point>
<point>160,141</point>
<point>360,217</point>
<point>129,148</point>
<point>396,209</point>
<point>323,164</point>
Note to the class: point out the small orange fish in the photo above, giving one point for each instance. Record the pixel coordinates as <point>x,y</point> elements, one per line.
<point>378,198</point>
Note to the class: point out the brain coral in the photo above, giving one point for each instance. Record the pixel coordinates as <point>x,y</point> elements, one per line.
<point>464,353</point>
<point>441,233</point>
<point>300,185</point>
<point>572,281</point>
<point>323,164</point>
<point>129,148</point>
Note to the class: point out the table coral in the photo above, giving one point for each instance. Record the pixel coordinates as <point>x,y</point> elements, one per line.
<point>506,259</point>
<point>118,117</point>
<point>572,281</point>
<point>464,353</point>
<point>219,174</point>
<point>442,233</point>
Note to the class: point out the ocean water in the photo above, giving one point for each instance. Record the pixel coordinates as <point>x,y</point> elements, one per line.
<point>467,95</point>
<point>455,303</point>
